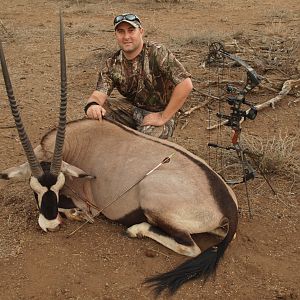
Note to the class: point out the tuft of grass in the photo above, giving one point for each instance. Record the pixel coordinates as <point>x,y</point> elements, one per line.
<point>279,14</point>
<point>194,38</point>
<point>275,155</point>
<point>271,156</point>
<point>167,1</point>
<point>277,28</point>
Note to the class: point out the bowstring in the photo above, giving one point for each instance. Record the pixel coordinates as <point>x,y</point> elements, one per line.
<point>220,153</point>
<point>218,76</point>
<point>209,111</point>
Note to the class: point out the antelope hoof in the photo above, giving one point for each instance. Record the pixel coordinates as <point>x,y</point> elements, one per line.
<point>138,230</point>
<point>76,214</point>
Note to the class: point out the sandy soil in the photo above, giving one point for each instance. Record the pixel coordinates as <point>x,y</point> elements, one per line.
<point>99,261</point>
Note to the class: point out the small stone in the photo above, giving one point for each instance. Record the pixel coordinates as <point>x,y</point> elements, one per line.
<point>150,253</point>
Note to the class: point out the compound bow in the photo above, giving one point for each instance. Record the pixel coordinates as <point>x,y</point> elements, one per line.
<point>236,98</point>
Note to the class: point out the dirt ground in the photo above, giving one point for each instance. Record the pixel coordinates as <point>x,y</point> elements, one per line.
<point>99,261</point>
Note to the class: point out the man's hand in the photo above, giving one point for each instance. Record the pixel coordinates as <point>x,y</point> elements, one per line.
<point>96,112</point>
<point>94,109</point>
<point>154,119</point>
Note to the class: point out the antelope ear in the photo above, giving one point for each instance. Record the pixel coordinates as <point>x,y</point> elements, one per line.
<point>73,171</point>
<point>19,172</point>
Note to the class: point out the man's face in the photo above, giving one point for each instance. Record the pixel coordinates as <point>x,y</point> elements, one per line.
<point>129,38</point>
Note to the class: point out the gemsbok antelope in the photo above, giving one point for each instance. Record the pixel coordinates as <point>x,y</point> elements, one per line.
<point>106,164</point>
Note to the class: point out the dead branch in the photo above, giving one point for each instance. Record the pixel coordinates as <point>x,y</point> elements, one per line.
<point>7,126</point>
<point>268,88</point>
<point>99,48</point>
<point>294,101</point>
<point>286,88</point>
<point>215,82</point>
<point>188,112</point>
<point>206,94</point>
<point>4,28</point>
<point>186,122</point>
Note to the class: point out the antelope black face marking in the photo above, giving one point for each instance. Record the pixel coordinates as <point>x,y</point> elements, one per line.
<point>49,205</point>
<point>46,190</point>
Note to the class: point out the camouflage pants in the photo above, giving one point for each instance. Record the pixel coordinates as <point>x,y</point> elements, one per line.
<point>124,112</point>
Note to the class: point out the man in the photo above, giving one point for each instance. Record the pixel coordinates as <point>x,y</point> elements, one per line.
<point>148,75</point>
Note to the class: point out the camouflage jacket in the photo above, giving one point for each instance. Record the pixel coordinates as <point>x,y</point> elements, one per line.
<point>147,81</point>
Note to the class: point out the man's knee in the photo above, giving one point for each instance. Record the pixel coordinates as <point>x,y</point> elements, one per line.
<point>121,111</point>
<point>124,112</point>
<point>163,132</point>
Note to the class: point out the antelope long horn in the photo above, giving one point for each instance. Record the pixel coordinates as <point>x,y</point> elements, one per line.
<point>34,164</point>
<point>60,135</point>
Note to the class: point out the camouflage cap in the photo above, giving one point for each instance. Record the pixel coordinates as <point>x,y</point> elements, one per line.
<point>129,18</point>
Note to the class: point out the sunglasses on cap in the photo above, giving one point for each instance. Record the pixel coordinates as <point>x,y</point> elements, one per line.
<point>127,17</point>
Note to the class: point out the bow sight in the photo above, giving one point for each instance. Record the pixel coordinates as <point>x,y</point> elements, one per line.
<point>234,121</point>
<point>237,114</point>
<point>217,54</point>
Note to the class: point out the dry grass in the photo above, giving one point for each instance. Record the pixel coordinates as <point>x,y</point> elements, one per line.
<point>279,14</point>
<point>278,23</point>
<point>167,1</point>
<point>277,28</point>
<point>276,155</point>
<point>199,39</point>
